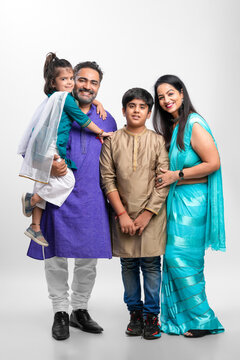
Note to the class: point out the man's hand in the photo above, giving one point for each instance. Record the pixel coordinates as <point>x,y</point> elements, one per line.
<point>127,225</point>
<point>59,167</point>
<point>142,221</point>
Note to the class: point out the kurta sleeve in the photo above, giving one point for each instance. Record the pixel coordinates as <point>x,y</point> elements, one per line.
<point>76,114</point>
<point>158,196</point>
<point>107,168</point>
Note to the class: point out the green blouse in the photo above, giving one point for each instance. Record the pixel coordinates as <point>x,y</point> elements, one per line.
<point>70,113</point>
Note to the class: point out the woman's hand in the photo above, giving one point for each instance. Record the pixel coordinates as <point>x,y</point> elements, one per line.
<point>100,109</point>
<point>142,221</point>
<point>126,224</point>
<point>167,177</point>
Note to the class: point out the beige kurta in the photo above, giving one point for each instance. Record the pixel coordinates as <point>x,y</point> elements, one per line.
<point>129,163</point>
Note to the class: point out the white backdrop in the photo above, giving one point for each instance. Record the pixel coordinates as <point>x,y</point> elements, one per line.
<point>135,42</point>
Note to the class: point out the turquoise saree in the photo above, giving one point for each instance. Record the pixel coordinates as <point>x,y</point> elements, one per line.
<point>195,222</point>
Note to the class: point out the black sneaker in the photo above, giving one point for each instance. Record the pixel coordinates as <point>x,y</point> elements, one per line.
<point>60,328</point>
<point>151,327</point>
<point>135,327</point>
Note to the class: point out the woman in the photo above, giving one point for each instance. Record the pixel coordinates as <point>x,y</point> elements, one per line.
<point>194,210</point>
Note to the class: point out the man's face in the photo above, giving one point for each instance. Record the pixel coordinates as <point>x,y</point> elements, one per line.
<point>87,83</point>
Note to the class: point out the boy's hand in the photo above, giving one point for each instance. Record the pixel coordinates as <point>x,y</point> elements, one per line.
<point>142,221</point>
<point>127,225</point>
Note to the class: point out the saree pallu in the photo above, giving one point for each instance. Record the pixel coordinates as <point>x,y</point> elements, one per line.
<point>184,304</point>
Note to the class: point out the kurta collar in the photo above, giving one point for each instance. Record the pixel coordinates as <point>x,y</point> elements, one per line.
<point>133,134</point>
<point>90,110</point>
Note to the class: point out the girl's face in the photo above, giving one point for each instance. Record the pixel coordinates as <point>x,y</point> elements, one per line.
<point>170,99</point>
<point>64,81</point>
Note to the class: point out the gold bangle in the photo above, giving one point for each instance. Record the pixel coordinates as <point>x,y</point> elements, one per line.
<point>101,132</point>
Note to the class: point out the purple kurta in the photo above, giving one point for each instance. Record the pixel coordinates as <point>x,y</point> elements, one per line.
<point>80,227</point>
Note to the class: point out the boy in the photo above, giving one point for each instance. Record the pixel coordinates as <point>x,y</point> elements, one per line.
<point>129,163</point>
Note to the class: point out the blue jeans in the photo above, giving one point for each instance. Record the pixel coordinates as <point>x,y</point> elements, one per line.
<point>151,271</point>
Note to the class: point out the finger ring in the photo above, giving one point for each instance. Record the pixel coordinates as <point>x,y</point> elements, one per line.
<point>160,180</point>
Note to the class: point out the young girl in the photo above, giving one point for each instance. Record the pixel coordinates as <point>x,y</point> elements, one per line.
<point>48,135</point>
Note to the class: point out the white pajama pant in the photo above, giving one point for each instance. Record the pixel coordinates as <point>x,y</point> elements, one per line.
<point>56,191</point>
<point>56,271</point>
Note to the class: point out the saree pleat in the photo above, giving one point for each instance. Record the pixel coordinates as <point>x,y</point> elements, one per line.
<point>184,304</point>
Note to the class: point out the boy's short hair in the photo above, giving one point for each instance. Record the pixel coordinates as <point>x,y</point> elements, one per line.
<point>138,93</point>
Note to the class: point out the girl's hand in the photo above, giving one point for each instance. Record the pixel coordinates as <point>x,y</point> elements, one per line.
<point>168,177</point>
<point>126,224</point>
<point>105,134</point>
<point>100,109</point>
<point>142,221</point>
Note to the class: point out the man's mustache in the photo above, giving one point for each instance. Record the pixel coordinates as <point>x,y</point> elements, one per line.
<point>85,90</point>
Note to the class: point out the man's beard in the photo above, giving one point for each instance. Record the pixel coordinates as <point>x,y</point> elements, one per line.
<point>82,99</point>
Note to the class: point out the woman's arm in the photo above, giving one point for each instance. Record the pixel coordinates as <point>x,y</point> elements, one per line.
<point>203,144</point>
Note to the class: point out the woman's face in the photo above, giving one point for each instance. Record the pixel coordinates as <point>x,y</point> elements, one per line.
<point>170,99</point>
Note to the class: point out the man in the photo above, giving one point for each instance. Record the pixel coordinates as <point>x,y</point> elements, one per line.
<point>79,229</point>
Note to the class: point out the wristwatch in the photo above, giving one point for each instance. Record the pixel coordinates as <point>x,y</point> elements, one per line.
<point>181,174</point>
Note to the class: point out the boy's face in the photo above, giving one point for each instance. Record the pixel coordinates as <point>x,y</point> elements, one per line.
<point>136,113</point>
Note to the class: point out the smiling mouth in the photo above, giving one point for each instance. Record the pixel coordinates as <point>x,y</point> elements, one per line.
<point>85,92</point>
<point>168,106</point>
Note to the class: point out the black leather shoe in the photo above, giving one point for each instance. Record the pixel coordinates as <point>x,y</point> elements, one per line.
<point>82,320</point>
<point>60,328</point>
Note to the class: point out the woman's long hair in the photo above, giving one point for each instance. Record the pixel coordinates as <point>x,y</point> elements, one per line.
<point>51,71</point>
<point>162,120</point>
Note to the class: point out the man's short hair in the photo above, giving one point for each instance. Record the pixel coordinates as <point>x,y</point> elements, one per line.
<point>137,93</point>
<point>88,64</point>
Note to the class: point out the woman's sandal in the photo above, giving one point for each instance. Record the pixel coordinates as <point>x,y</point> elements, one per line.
<point>196,333</point>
